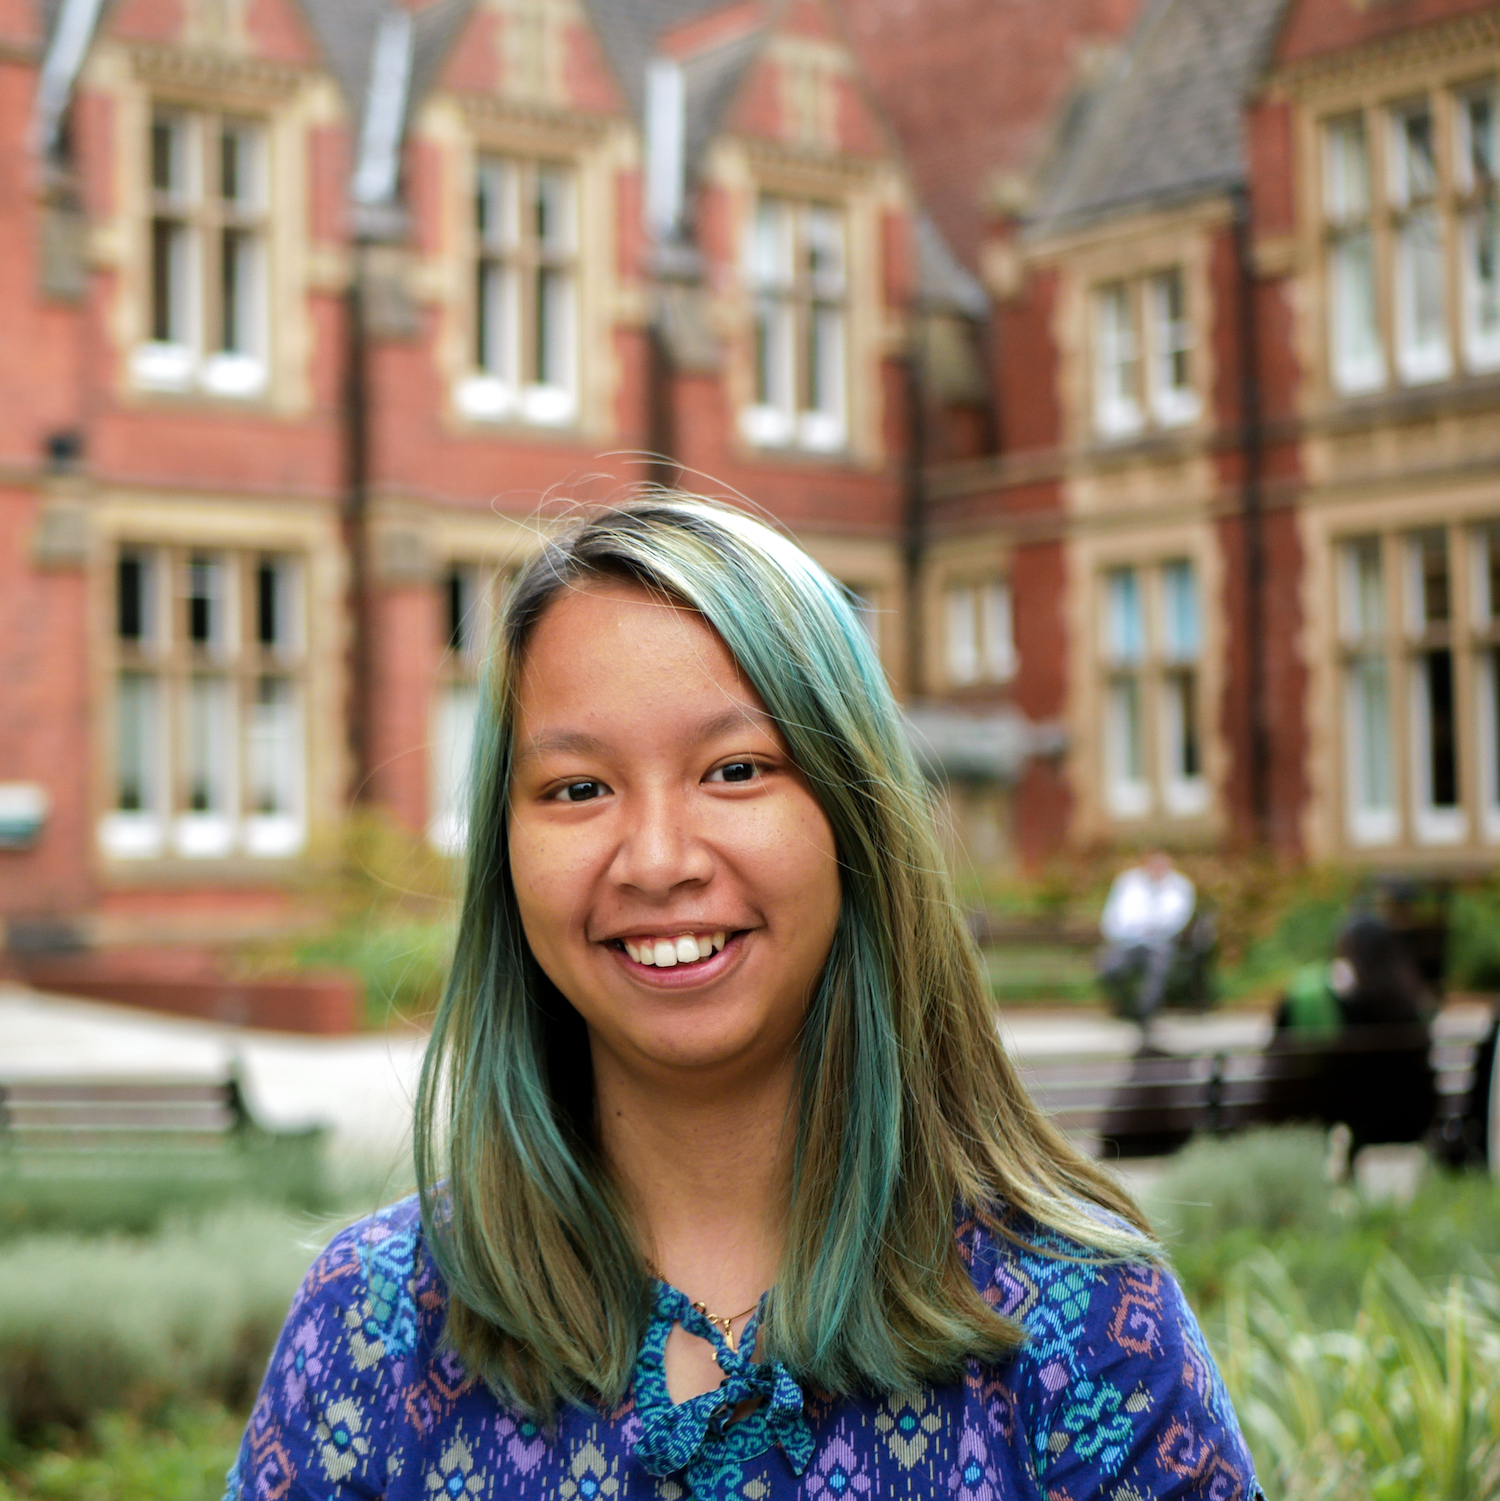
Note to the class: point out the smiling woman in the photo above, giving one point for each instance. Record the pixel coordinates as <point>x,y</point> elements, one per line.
<point>727,1186</point>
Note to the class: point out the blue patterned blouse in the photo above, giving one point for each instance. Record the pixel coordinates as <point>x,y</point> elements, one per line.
<point>1114,1396</point>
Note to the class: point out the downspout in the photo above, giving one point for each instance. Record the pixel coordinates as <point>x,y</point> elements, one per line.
<point>671,262</point>
<point>373,189</point>
<point>915,510</point>
<point>1252,519</point>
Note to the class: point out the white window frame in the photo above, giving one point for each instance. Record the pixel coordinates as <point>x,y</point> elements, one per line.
<point>1419,270</point>
<point>526,282</point>
<point>979,632</point>
<point>1170,341</point>
<point>212,332</point>
<point>252,741</point>
<point>1477,168</point>
<point>1119,411</point>
<point>796,269</point>
<point>1353,280</point>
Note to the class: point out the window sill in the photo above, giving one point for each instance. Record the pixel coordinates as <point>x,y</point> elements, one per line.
<point>492,402</point>
<point>175,370</point>
<point>193,840</point>
<point>807,435</point>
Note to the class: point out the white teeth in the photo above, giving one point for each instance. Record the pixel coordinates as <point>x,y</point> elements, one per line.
<point>689,948</point>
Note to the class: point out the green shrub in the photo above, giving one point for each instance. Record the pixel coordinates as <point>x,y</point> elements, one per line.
<point>91,1325</point>
<point>183,1456</point>
<point>1474,939</point>
<point>1404,1405</point>
<point>133,1193</point>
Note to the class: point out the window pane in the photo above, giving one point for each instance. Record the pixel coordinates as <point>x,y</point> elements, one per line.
<point>1181,624</point>
<point>1126,790</point>
<point>555,210</point>
<point>771,244</point>
<point>171,282</point>
<point>1415,165</point>
<point>1438,751</point>
<point>1369,731</point>
<point>1184,760</point>
<point>463,610</point>
<point>1116,363</point>
<point>1421,325</point>
<point>1124,616</point>
<point>1481,257</point>
<point>241,180</point>
<point>240,292</point>
<point>1479,145</point>
<point>825,362</point>
<point>494,205</point>
<point>207,617</point>
<point>1346,170</point>
<point>824,245</point>
<point>456,714</point>
<point>498,331</point>
<point>963,635</point>
<point>1431,599</point>
<point>1358,362</point>
<point>171,166</point>
<point>276,615</point>
<point>138,752</point>
<point>209,745</point>
<point>1486,575</point>
<point>1172,395</point>
<point>1489,684</point>
<point>554,327</point>
<point>1363,590</point>
<point>273,749</point>
<point>135,577</point>
<point>998,633</point>
<point>773,354</point>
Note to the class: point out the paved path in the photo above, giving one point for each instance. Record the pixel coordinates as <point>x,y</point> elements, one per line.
<point>361,1087</point>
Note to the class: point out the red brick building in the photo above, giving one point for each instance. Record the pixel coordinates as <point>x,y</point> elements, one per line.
<point>1160,442</point>
<point>312,312</point>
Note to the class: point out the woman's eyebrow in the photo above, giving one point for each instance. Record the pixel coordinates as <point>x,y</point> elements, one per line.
<point>580,743</point>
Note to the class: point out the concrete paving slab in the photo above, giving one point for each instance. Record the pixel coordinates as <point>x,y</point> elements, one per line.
<point>360,1087</point>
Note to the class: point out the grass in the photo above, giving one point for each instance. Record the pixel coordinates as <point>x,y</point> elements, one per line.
<point>181,1456</point>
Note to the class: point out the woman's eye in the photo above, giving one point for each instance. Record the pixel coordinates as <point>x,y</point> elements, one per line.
<point>579,792</point>
<point>734,771</point>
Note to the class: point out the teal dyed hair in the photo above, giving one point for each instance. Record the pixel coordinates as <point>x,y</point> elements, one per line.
<point>908,1104</point>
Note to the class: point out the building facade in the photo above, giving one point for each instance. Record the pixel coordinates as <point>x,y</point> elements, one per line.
<point>316,316</point>
<point>1139,374</point>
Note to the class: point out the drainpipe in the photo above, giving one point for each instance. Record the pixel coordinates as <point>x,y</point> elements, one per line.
<point>1252,519</point>
<point>356,523</point>
<point>915,515</point>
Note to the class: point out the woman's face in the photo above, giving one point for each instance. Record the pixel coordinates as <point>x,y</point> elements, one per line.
<point>676,879</point>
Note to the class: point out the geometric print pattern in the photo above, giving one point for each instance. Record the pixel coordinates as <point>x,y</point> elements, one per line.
<point>1113,1396</point>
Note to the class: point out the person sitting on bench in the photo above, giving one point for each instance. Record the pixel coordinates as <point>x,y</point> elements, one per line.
<point>1149,908</point>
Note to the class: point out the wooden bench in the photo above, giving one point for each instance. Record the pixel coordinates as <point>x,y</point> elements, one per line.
<point>1153,1102</point>
<point>146,1126</point>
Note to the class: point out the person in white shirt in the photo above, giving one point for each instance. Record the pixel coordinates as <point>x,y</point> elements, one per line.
<point>1149,908</point>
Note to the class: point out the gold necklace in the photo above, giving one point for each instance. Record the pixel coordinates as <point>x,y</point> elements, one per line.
<point>725,1323</point>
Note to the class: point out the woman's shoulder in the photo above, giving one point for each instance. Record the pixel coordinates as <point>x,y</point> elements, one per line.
<point>378,1281</point>
<point>1115,1377</point>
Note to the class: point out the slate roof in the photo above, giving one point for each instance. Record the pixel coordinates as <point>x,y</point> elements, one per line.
<point>1165,124</point>
<point>942,283</point>
<point>628,29</point>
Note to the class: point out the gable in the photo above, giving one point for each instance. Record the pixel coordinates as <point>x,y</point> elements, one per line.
<point>278,31</point>
<point>269,30</point>
<point>539,51</point>
<point>805,88</point>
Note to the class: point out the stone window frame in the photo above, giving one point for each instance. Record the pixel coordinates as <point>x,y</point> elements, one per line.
<point>799,299</point>
<point>1395,652</point>
<point>1380,105</point>
<point>1156,404</point>
<point>1151,668</point>
<point>247,678</point>
<point>486,392</point>
<point>978,624</point>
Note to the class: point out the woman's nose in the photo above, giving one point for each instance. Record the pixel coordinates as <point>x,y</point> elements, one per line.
<point>659,850</point>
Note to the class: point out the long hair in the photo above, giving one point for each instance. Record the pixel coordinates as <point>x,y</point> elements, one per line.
<point>908,1111</point>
